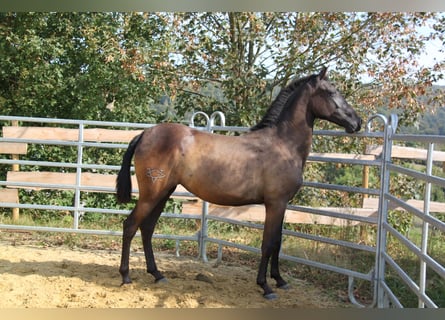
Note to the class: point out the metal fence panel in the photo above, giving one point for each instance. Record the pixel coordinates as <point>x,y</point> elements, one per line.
<point>383,294</point>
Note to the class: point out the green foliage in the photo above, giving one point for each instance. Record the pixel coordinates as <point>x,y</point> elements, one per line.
<point>401,221</point>
<point>148,67</point>
<point>74,65</point>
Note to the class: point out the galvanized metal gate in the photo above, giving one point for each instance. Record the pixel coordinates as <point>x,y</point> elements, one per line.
<point>384,261</point>
<point>383,295</point>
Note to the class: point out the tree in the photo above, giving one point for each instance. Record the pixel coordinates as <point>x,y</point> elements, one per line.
<point>74,65</point>
<point>249,54</point>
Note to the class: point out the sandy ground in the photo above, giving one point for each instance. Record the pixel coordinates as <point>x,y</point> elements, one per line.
<point>59,277</point>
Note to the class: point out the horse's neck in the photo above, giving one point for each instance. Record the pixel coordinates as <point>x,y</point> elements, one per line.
<point>296,129</point>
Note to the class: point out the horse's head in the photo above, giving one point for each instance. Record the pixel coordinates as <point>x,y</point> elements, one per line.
<point>327,103</point>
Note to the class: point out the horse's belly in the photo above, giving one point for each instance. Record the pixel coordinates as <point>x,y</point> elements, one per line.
<point>223,193</point>
<point>230,200</point>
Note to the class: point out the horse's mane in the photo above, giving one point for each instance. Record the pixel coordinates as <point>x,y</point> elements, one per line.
<point>272,114</point>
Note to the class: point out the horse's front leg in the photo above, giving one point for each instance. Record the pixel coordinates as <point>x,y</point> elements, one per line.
<point>270,248</point>
<point>274,264</point>
<point>266,252</point>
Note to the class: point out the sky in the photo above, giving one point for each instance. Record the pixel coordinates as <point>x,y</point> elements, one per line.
<point>434,52</point>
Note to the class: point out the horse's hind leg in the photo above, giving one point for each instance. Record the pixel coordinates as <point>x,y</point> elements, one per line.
<point>130,226</point>
<point>129,230</point>
<point>147,229</point>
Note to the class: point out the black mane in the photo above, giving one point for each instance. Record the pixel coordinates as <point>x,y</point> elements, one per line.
<point>272,114</point>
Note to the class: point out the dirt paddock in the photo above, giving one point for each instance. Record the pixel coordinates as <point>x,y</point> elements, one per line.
<point>33,276</point>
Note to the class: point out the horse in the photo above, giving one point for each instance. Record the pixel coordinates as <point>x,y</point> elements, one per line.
<point>262,166</point>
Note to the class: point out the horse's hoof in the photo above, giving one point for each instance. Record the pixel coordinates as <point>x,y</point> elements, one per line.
<point>161,280</point>
<point>270,296</point>
<point>284,287</point>
<point>125,282</point>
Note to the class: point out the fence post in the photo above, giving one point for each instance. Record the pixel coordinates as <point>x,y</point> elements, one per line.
<point>77,204</point>
<point>365,184</point>
<point>389,129</point>
<point>15,167</point>
<point>203,233</point>
<point>425,225</point>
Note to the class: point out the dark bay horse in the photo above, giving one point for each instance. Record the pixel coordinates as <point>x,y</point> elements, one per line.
<point>264,165</point>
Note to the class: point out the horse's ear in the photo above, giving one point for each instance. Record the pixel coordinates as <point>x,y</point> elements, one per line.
<point>323,73</point>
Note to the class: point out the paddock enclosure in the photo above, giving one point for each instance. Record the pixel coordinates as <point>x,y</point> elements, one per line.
<point>32,179</point>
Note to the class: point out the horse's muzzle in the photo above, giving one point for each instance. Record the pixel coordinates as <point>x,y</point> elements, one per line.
<point>354,127</point>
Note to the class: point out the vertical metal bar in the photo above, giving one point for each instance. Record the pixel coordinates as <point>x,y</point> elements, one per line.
<point>365,184</point>
<point>15,167</point>
<point>177,248</point>
<point>425,225</point>
<point>389,129</point>
<point>203,234</point>
<point>220,253</point>
<point>389,132</point>
<point>383,209</point>
<point>380,206</point>
<point>382,237</point>
<point>78,177</point>
<point>204,231</point>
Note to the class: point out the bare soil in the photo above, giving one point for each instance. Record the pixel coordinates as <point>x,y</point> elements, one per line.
<point>39,276</point>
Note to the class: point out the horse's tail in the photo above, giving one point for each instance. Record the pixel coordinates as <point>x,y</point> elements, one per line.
<point>123,181</point>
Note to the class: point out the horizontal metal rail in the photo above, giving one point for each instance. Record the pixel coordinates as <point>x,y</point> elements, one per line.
<point>418,213</point>
<point>361,162</point>
<point>297,234</point>
<point>330,186</point>
<point>61,164</point>
<point>65,143</point>
<point>328,213</point>
<point>424,138</point>
<point>307,262</point>
<point>97,232</point>
<point>77,122</point>
<point>418,175</point>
